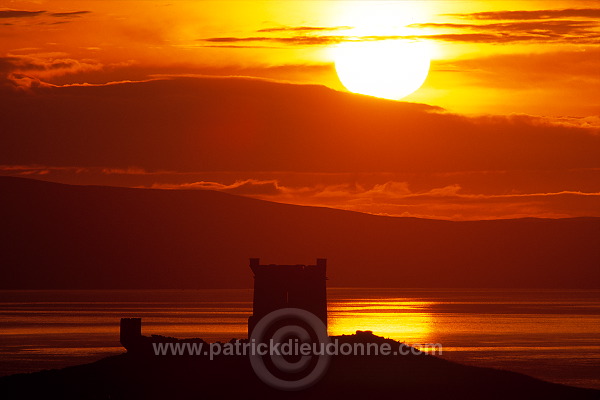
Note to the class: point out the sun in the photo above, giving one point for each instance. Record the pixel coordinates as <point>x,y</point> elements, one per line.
<point>391,69</point>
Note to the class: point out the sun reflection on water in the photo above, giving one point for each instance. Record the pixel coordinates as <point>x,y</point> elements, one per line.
<point>399,319</point>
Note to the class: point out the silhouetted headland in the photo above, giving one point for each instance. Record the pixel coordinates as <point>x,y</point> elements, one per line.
<point>136,376</point>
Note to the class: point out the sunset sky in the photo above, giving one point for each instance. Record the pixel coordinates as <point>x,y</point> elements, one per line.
<point>214,95</point>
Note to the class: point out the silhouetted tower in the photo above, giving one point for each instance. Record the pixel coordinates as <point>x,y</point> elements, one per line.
<point>283,286</point>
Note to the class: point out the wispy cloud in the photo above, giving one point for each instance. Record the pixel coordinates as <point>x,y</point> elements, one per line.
<point>252,187</point>
<point>535,31</point>
<point>38,169</point>
<point>575,26</point>
<point>27,70</point>
<point>304,29</point>
<point>573,32</point>
<point>302,40</point>
<point>532,15</point>
<point>69,14</point>
<point>462,196</point>
<point>19,13</point>
<point>5,14</point>
<point>548,68</point>
<point>396,198</point>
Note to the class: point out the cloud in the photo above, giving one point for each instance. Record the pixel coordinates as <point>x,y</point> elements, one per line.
<point>463,196</point>
<point>28,70</point>
<point>235,124</point>
<point>395,198</point>
<point>19,13</point>
<point>69,14</point>
<point>305,29</point>
<point>532,15</point>
<point>135,71</point>
<point>29,14</point>
<point>537,27</point>
<point>555,32</point>
<point>537,31</point>
<point>518,71</point>
<point>448,202</point>
<point>476,38</point>
<point>234,46</point>
<point>125,171</point>
<point>38,169</point>
<point>302,40</point>
<point>522,26</point>
<point>45,17</point>
<point>32,63</point>
<point>252,187</point>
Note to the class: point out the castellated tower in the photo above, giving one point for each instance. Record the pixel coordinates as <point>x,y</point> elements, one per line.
<point>283,286</point>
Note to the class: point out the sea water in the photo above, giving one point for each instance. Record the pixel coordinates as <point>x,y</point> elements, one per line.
<point>549,334</point>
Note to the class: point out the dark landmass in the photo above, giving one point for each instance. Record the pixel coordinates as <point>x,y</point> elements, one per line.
<point>130,376</point>
<point>239,124</point>
<point>59,236</point>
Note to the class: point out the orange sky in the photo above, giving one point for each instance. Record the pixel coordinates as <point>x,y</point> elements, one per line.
<point>484,58</point>
<point>512,131</point>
